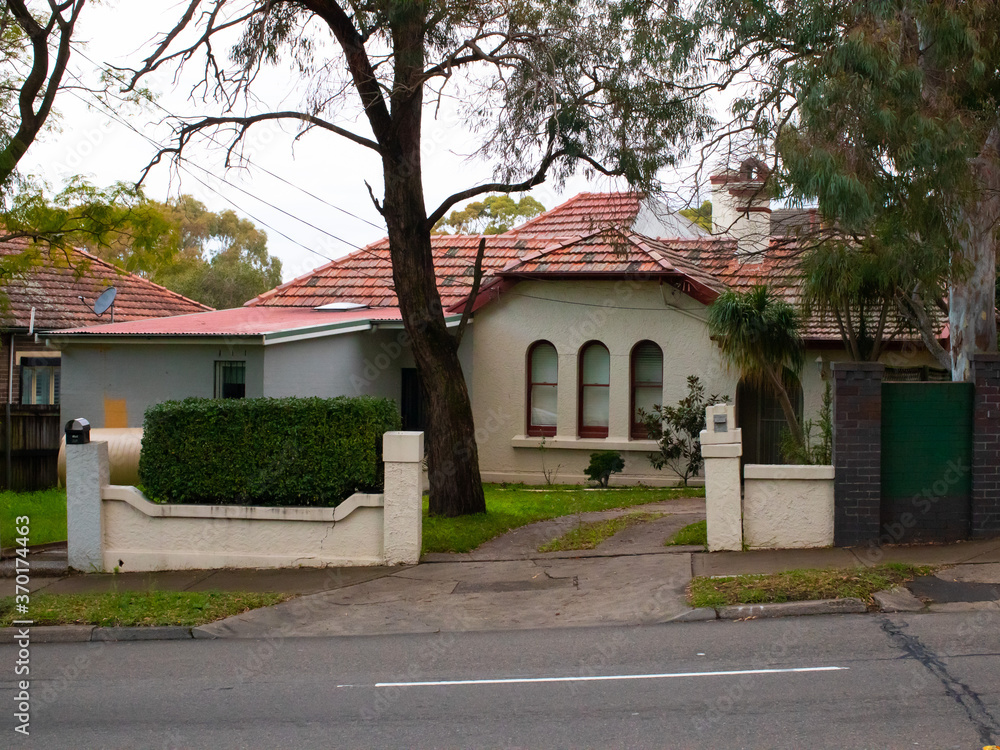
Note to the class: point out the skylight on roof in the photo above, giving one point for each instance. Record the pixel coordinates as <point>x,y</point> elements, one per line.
<point>341,306</point>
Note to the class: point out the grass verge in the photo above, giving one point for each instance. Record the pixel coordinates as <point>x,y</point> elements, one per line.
<point>589,535</point>
<point>693,533</point>
<point>801,585</point>
<point>46,510</point>
<point>188,608</point>
<point>515,506</point>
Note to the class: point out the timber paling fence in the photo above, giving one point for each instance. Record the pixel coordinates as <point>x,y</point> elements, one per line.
<point>29,447</point>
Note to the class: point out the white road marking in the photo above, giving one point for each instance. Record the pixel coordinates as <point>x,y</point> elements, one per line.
<point>601,678</point>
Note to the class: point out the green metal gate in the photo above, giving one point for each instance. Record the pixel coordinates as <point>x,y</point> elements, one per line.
<point>926,462</point>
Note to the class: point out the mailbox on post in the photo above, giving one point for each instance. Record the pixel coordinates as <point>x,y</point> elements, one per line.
<point>77,432</point>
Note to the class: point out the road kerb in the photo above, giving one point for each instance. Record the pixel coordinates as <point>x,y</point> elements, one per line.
<point>844,606</point>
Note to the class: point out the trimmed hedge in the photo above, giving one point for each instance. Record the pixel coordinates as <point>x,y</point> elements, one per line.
<point>265,451</point>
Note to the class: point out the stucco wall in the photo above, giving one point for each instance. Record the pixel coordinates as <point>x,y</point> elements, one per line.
<point>569,314</point>
<point>142,536</point>
<point>787,506</point>
<point>113,385</point>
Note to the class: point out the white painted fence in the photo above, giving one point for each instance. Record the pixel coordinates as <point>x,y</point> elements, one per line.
<point>780,506</point>
<point>115,526</point>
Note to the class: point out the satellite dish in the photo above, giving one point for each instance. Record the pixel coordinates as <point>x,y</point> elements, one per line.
<point>106,300</point>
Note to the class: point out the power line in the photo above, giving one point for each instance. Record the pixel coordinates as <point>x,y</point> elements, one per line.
<point>248,161</point>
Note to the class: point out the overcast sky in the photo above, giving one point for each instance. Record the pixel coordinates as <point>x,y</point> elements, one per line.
<point>92,142</point>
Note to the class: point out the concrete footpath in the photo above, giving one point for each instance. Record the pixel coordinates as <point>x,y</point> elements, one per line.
<point>506,584</point>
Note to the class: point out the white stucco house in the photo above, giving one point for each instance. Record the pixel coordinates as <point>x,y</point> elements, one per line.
<point>586,313</point>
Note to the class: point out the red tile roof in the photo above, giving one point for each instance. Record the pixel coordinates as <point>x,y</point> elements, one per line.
<point>570,239</point>
<point>241,321</point>
<point>365,277</point>
<point>54,286</point>
<point>615,253</point>
<point>584,214</point>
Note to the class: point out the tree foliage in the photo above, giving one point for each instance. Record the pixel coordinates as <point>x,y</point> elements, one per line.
<point>758,334</point>
<point>887,113</point>
<point>677,430</point>
<point>702,216</point>
<point>218,259</point>
<point>547,86</point>
<point>495,214</point>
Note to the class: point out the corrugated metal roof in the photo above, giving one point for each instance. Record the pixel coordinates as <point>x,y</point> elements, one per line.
<point>241,321</point>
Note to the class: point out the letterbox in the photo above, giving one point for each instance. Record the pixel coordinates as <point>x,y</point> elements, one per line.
<point>77,431</point>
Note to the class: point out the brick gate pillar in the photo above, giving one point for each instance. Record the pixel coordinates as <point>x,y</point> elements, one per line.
<point>857,452</point>
<point>986,446</point>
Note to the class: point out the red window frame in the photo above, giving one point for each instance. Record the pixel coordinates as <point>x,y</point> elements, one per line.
<point>638,430</point>
<point>533,429</point>
<point>591,431</point>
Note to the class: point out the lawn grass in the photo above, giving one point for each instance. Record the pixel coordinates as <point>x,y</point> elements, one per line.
<point>589,535</point>
<point>801,585</point>
<point>510,507</point>
<point>693,533</point>
<point>188,608</point>
<point>46,510</point>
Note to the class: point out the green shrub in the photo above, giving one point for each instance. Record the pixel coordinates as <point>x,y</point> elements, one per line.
<point>264,451</point>
<point>602,465</point>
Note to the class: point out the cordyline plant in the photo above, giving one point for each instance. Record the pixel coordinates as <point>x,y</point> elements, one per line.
<point>758,334</point>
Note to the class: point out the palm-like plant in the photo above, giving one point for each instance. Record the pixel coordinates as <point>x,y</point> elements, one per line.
<point>758,334</point>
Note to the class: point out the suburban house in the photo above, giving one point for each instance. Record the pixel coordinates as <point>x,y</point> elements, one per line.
<point>57,292</point>
<point>586,314</point>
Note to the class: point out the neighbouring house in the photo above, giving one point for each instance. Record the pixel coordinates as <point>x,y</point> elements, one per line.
<point>58,292</point>
<point>586,313</point>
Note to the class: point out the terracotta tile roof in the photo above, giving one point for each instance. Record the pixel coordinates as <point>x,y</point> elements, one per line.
<point>618,253</point>
<point>568,240</point>
<point>779,270</point>
<point>584,214</point>
<point>588,213</point>
<point>365,277</point>
<point>54,288</point>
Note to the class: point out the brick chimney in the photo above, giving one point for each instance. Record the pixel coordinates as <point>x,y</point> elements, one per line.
<point>741,208</point>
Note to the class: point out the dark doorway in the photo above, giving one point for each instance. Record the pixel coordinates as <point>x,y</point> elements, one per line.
<point>759,416</point>
<point>412,404</point>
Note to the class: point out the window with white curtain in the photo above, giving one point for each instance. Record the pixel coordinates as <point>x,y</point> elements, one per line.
<point>595,382</point>
<point>647,383</point>
<point>543,388</point>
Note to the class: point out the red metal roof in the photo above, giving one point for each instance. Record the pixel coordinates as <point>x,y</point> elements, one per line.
<point>54,286</point>
<point>241,321</point>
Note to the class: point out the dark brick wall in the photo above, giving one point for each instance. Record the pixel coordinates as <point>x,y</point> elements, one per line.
<point>986,447</point>
<point>857,451</point>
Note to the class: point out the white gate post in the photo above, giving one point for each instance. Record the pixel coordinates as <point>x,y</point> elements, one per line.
<point>721,447</point>
<point>403,453</point>
<point>87,471</point>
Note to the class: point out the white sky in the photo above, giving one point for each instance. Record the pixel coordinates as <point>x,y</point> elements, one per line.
<point>91,143</point>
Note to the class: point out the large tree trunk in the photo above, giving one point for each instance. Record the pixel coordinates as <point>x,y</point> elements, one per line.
<point>453,457</point>
<point>972,296</point>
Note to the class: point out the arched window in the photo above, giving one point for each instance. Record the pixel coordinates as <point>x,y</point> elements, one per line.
<point>543,388</point>
<point>647,383</point>
<point>595,379</point>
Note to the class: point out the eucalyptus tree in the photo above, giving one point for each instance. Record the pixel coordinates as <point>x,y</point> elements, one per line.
<point>548,86</point>
<point>887,113</point>
<point>758,334</point>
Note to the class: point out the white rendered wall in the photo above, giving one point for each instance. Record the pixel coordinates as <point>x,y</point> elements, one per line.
<point>787,506</point>
<point>628,312</point>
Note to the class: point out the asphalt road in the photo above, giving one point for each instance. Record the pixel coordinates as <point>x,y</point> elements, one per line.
<point>862,681</point>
